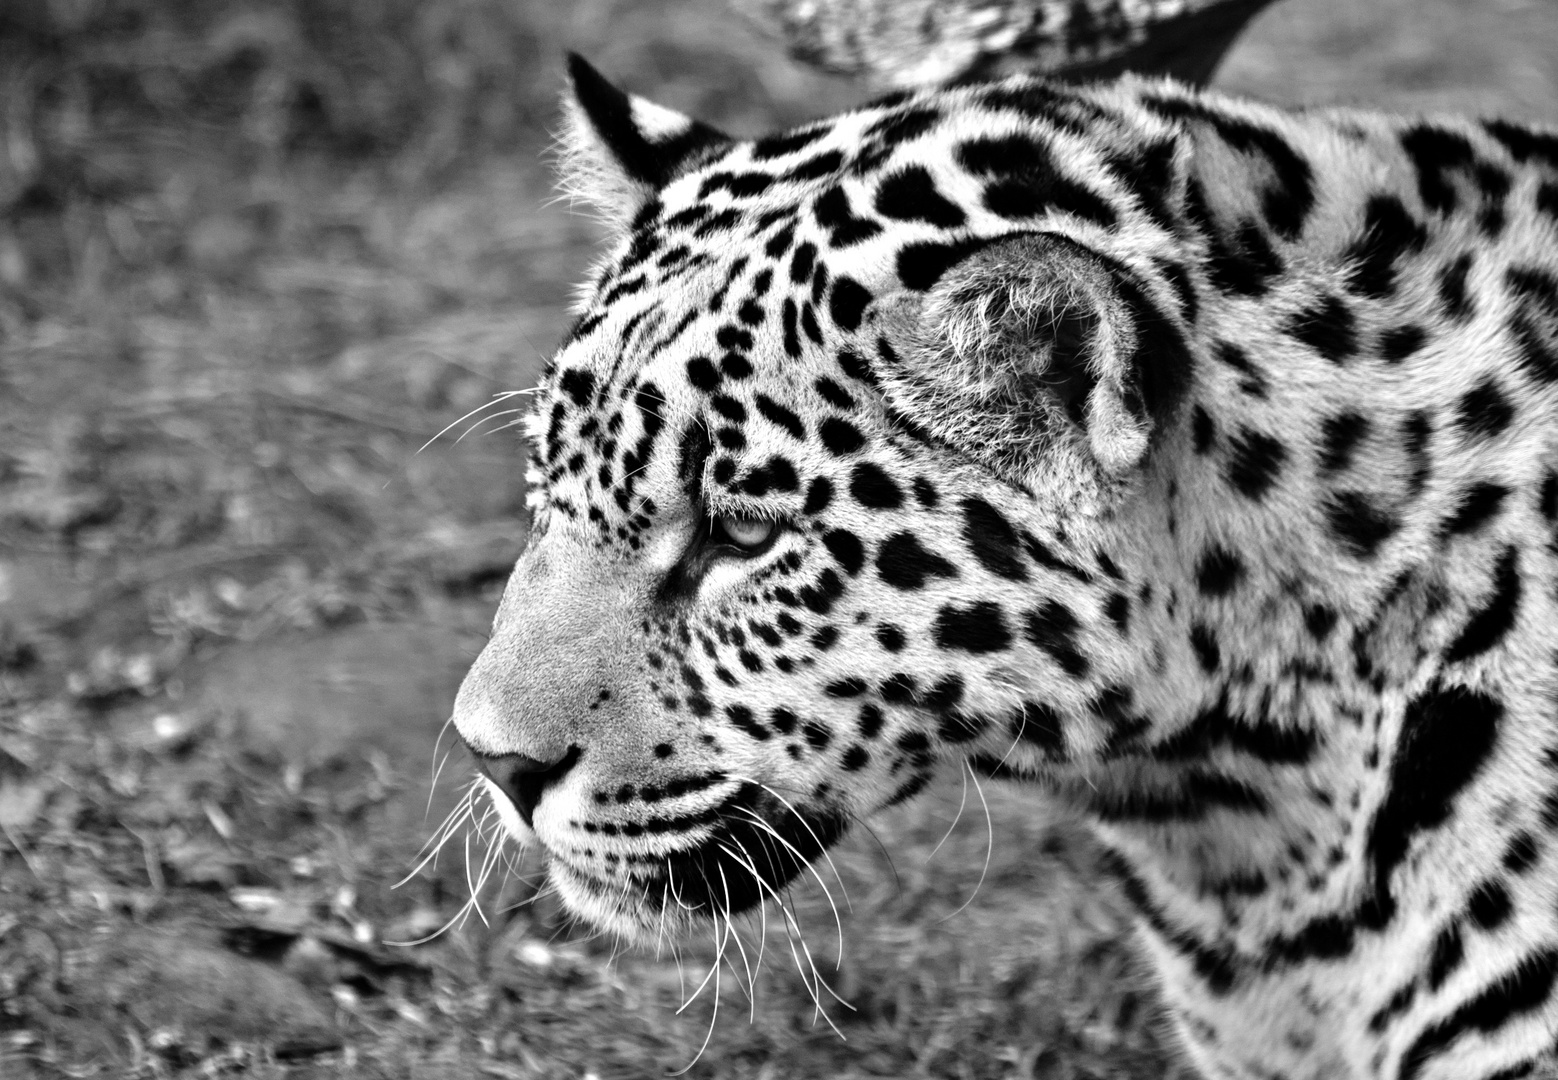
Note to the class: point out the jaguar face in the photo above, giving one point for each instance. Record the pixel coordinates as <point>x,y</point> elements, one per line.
<point>711,657</point>
<point>777,570</point>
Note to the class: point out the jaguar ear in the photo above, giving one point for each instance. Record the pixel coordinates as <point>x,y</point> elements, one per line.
<point>618,148</point>
<point>1038,357</point>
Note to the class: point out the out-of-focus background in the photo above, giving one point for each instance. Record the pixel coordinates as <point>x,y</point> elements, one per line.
<point>253,255</point>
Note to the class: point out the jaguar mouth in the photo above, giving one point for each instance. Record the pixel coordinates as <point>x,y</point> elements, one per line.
<point>739,852</point>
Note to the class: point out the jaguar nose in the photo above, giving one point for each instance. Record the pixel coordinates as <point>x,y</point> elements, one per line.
<point>524,779</point>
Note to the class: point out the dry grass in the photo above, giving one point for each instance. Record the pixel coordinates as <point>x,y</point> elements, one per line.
<point>252,255</point>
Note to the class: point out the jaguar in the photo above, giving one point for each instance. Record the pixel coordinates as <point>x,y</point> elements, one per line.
<point>1190,459</point>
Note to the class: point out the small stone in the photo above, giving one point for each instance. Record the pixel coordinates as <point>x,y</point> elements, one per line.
<point>535,954</point>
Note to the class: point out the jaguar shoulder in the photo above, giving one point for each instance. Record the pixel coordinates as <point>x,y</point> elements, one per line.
<point>1191,458</point>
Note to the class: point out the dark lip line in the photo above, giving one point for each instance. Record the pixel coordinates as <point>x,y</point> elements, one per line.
<point>657,826</point>
<point>687,870</point>
<point>707,817</point>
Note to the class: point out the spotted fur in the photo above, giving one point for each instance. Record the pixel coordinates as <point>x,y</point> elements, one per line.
<point>1192,459</point>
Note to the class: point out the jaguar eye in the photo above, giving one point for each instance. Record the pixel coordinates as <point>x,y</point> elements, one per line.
<point>743,532</point>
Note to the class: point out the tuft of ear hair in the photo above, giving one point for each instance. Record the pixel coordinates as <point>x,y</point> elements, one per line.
<point>1040,359</point>
<point>618,149</point>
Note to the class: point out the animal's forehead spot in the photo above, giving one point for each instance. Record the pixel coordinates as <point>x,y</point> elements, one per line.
<point>711,331</point>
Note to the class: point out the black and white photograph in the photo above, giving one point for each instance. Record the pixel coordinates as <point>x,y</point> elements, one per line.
<point>767,539</point>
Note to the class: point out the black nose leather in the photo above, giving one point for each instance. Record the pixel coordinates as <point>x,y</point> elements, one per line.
<point>524,779</point>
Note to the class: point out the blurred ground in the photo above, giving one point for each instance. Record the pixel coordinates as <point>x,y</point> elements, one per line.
<point>252,256</point>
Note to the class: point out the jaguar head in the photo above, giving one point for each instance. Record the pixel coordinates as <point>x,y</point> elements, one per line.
<point>816,484</point>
